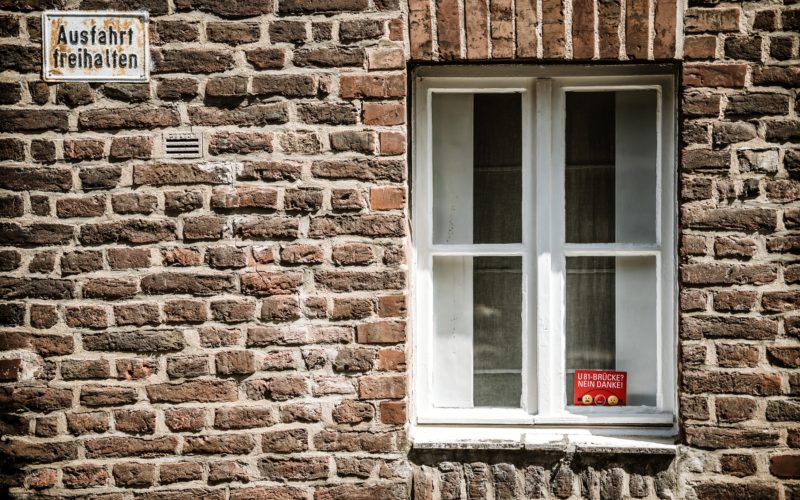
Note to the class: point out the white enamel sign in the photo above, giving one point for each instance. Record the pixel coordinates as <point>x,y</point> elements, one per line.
<point>95,46</point>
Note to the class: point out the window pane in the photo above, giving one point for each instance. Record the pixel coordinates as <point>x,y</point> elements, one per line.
<point>611,321</point>
<point>477,168</point>
<point>611,161</point>
<point>478,339</point>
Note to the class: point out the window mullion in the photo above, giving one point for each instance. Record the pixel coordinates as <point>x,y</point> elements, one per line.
<point>549,330</point>
<point>530,363</point>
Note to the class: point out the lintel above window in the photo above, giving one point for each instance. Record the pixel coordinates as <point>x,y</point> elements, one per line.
<point>544,243</point>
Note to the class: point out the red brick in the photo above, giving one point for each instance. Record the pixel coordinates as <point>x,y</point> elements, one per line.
<point>387,198</point>
<point>583,39</point>
<point>389,332</point>
<point>382,387</point>
<point>392,143</point>
<point>664,42</point>
<point>637,29</point>
<point>700,47</point>
<point>785,466</point>
<point>383,113</point>
<point>501,27</point>
<point>553,29</point>
<point>711,20</point>
<point>393,412</point>
<point>420,27</point>
<point>714,75</point>
<point>354,86</point>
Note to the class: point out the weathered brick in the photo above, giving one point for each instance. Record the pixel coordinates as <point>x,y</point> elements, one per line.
<point>304,469</point>
<point>732,383</point>
<point>84,476</point>
<point>232,33</point>
<point>38,179</point>
<point>83,149</point>
<point>111,447</point>
<point>131,147</point>
<point>270,283</point>
<point>190,60</point>
<point>135,368</point>
<point>226,444</point>
<point>320,6</point>
<point>85,317</point>
<point>757,104</point>
<point>185,311</point>
<point>334,57</point>
<point>134,475</point>
<point>357,86</point>
<point>128,258</point>
<point>18,288</point>
<point>30,120</point>
<point>730,219</point>
<point>177,89</point>
<point>235,363</point>
<point>106,395</point>
<point>277,388</point>
<point>284,85</point>
<point>124,118</point>
<point>249,116</point>
<point>785,466</point>
<point>381,332</point>
<point>185,419</point>
<point>135,421</point>
<point>99,177</point>
<point>109,288</point>
<point>180,257</point>
<point>175,472</point>
<point>266,58</point>
<point>714,75</point>
<point>133,203</point>
<point>131,231</point>
<point>243,418</point>
<point>187,366</point>
<point>202,391</point>
<point>135,341</point>
<point>87,422</point>
<point>720,438</point>
<point>347,281</point>
<point>178,283</point>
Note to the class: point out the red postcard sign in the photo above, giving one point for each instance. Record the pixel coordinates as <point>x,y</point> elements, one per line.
<point>600,388</point>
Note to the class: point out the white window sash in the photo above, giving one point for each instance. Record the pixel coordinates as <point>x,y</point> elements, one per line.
<point>544,251</point>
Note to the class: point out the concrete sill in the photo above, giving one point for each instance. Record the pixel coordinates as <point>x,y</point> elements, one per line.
<point>438,438</point>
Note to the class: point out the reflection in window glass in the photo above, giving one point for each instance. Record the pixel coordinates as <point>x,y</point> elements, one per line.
<point>611,321</point>
<point>611,160</point>
<point>477,168</point>
<point>478,324</point>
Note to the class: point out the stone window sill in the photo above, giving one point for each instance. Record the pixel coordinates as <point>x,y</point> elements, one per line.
<point>466,438</point>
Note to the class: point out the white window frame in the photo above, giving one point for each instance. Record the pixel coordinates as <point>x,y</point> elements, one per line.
<point>543,248</point>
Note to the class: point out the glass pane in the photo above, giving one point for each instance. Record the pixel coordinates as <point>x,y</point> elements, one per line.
<point>477,308</point>
<point>611,165</point>
<point>477,168</point>
<point>611,321</point>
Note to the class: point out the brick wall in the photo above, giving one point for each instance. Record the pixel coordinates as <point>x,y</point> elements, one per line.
<point>625,30</point>
<point>207,328</point>
<point>739,250</point>
<point>234,326</point>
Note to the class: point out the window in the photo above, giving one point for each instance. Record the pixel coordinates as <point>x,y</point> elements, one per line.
<point>544,219</point>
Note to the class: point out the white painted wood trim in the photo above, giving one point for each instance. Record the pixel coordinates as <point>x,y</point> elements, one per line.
<point>544,395</point>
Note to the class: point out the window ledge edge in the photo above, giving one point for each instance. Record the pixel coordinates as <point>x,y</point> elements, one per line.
<point>466,439</point>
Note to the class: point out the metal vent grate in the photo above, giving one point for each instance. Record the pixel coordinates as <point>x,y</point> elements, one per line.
<point>183,146</point>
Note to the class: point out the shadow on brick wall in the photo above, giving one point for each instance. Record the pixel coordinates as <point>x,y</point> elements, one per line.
<point>513,474</point>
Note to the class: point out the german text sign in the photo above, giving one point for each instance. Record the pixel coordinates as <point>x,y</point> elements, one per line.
<point>95,46</point>
<point>600,388</point>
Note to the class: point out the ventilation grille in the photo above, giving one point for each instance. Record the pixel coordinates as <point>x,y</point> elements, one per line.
<point>183,146</point>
